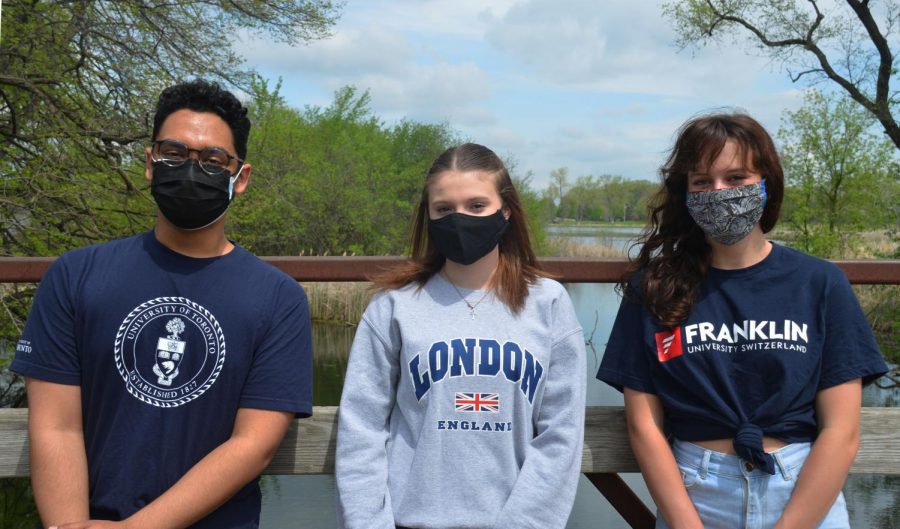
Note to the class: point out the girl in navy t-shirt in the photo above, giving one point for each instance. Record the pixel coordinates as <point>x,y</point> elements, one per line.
<point>748,356</point>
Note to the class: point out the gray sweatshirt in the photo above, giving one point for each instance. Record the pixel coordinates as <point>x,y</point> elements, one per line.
<point>450,421</point>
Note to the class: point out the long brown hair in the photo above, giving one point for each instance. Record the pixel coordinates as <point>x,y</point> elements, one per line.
<point>518,266</point>
<point>674,258</point>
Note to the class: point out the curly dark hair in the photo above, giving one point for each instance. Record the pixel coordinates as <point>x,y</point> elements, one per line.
<point>674,256</point>
<point>204,96</point>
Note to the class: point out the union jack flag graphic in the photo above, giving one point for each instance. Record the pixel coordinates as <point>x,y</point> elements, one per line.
<point>477,402</point>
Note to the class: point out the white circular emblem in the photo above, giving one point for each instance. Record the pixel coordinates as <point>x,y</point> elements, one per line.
<point>169,351</point>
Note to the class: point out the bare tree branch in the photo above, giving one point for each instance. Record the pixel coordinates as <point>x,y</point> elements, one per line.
<point>774,26</point>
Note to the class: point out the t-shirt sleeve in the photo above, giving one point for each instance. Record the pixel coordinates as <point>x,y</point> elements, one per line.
<point>849,350</point>
<point>625,362</point>
<point>48,348</point>
<point>280,376</point>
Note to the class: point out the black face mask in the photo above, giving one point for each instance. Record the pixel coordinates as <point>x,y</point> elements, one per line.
<point>465,239</point>
<point>188,197</point>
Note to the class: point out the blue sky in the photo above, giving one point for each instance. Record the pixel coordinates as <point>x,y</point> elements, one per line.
<point>595,86</point>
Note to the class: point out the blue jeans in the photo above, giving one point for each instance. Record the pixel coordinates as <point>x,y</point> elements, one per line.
<point>729,493</point>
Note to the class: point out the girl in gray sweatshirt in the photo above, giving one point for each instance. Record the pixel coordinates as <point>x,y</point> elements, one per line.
<point>463,403</point>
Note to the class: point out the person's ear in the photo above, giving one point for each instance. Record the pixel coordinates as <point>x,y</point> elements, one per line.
<point>243,179</point>
<point>148,166</point>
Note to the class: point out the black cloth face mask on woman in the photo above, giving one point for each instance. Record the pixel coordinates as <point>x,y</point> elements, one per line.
<point>465,239</point>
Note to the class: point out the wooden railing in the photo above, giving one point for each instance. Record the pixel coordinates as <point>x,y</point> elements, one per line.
<point>308,448</point>
<point>566,269</point>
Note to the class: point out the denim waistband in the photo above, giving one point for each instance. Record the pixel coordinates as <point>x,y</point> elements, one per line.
<point>788,460</point>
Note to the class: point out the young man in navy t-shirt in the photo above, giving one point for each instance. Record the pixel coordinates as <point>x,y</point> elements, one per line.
<point>163,370</point>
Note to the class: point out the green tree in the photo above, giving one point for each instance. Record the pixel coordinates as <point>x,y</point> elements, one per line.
<point>606,198</point>
<point>580,202</point>
<point>840,175</point>
<point>851,43</point>
<point>538,207</point>
<point>559,181</point>
<point>77,82</point>
<point>625,199</point>
<point>333,180</point>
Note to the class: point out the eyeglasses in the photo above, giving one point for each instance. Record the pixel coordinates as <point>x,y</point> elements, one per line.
<point>214,161</point>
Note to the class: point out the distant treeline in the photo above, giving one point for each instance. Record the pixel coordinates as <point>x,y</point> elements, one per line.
<point>605,198</point>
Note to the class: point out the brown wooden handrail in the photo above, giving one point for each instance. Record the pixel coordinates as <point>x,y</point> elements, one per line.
<point>566,269</point>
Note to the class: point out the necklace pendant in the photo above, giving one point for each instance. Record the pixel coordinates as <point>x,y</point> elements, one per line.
<point>463,298</point>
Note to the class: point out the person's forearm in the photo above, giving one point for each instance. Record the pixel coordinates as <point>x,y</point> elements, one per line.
<point>660,471</point>
<point>645,415</point>
<point>220,474</point>
<point>206,486</point>
<point>59,476</point>
<point>821,479</point>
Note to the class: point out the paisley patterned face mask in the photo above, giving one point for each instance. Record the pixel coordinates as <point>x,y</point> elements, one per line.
<point>728,215</point>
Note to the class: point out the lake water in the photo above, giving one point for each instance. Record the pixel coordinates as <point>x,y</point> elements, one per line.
<point>307,502</point>
<point>618,237</point>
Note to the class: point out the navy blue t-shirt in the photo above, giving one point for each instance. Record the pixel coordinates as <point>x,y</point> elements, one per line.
<point>759,344</point>
<point>166,348</point>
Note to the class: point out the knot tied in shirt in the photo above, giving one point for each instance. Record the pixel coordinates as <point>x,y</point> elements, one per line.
<point>748,444</point>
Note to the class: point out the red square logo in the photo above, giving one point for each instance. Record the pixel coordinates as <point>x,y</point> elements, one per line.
<point>668,344</point>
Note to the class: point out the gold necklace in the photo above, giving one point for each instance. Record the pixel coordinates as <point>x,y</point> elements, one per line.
<point>463,298</point>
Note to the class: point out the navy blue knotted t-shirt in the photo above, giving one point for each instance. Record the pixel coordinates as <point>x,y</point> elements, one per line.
<point>760,342</point>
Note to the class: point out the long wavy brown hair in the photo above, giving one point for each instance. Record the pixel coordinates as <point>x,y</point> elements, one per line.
<point>518,266</point>
<point>674,256</point>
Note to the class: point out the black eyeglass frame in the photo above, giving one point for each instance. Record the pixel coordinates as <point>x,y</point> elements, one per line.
<point>175,163</point>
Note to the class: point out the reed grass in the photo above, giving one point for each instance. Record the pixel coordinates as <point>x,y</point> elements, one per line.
<point>870,244</point>
<point>566,247</point>
<point>338,302</point>
<point>881,303</point>
<point>876,245</point>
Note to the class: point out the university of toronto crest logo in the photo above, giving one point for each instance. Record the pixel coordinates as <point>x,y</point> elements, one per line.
<point>169,351</point>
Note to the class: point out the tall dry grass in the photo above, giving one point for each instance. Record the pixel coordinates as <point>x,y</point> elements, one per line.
<point>565,247</point>
<point>881,303</point>
<point>872,244</point>
<point>875,244</point>
<point>338,302</point>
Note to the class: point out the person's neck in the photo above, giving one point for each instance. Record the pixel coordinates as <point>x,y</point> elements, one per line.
<point>476,276</point>
<point>206,242</point>
<point>745,253</point>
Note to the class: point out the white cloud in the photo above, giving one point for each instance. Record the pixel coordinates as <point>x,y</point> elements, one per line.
<point>465,19</point>
<point>617,46</point>
<point>451,92</point>
<point>348,52</point>
<point>595,86</point>
<point>388,64</point>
